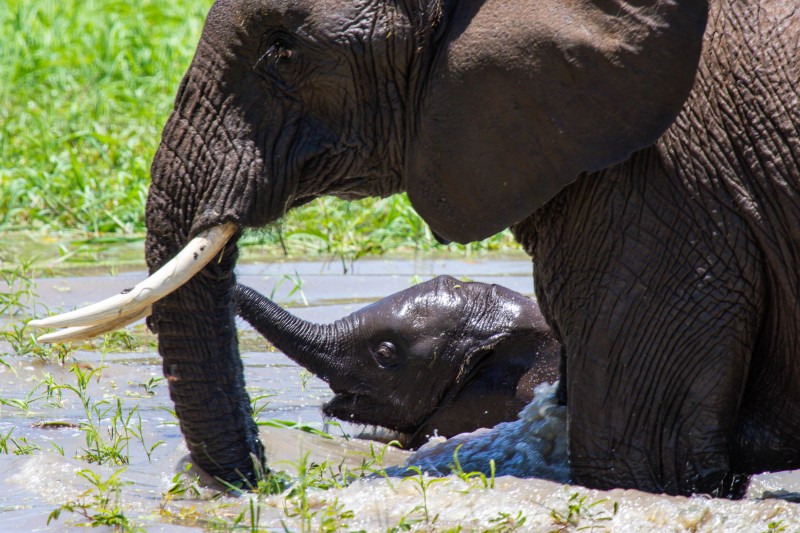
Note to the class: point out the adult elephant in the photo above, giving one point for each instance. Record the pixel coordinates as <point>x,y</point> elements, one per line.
<point>649,165</point>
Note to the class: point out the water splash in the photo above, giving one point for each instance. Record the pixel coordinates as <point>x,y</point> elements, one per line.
<point>535,445</point>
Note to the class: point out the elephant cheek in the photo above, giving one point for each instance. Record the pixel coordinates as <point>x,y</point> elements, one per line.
<point>227,154</point>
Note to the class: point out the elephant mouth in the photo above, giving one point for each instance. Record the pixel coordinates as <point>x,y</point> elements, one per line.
<point>134,304</point>
<point>361,409</point>
<point>346,406</point>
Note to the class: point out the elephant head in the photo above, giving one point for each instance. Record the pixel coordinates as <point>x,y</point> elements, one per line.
<point>481,109</point>
<point>442,357</point>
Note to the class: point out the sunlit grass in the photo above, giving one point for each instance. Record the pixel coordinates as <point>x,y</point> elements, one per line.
<point>86,88</point>
<point>350,230</point>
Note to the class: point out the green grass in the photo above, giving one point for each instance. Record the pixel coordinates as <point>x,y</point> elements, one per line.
<point>350,230</point>
<point>86,88</point>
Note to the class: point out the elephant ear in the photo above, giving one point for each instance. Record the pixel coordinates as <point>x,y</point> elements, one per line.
<point>524,95</point>
<point>474,355</point>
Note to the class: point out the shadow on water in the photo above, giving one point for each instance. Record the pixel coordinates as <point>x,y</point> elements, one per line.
<point>96,435</point>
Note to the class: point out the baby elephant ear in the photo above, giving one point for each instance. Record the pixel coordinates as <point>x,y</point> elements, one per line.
<point>525,95</point>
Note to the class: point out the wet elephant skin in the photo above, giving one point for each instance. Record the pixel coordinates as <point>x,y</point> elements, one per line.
<point>440,358</point>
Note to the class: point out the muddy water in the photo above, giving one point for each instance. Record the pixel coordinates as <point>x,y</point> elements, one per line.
<point>45,423</point>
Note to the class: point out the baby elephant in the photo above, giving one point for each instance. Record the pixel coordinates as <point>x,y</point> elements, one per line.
<point>444,356</point>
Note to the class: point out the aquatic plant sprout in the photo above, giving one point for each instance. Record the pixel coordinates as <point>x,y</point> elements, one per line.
<point>130,306</point>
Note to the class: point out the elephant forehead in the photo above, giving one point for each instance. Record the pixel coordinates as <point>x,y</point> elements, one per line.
<point>413,311</point>
<point>321,18</point>
<point>432,309</point>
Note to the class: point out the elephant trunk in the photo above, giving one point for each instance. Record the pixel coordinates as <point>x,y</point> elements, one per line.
<point>320,348</point>
<point>196,323</point>
<point>199,349</point>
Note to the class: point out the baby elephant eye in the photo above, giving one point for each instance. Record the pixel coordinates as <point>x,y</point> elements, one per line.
<point>386,354</point>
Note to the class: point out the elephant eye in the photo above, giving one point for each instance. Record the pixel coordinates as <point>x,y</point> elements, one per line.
<point>278,51</point>
<point>386,354</point>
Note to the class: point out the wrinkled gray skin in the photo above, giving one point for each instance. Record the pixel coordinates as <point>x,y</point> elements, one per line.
<point>442,357</point>
<point>647,162</point>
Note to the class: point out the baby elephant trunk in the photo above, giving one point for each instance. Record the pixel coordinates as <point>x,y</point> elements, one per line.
<point>316,347</point>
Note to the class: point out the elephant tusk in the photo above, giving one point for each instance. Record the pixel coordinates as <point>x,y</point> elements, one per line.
<point>86,332</point>
<point>180,269</point>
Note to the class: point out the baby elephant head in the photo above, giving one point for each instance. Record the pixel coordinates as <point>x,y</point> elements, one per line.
<point>444,356</point>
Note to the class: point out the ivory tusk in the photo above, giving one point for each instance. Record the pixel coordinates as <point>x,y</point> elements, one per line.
<point>180,269</point>
<point>87,332</point>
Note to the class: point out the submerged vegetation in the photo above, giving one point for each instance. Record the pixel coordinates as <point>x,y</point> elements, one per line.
<point>87,87</point>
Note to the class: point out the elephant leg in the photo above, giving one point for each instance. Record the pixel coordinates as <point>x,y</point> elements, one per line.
<point>659,312</point>
<point>654,392</point>
<point>561,391</point>
<point>768,434</point>
<point>657,412</point>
